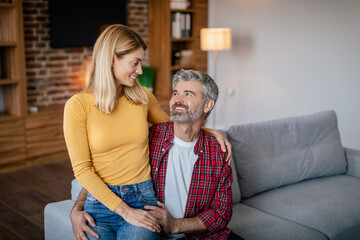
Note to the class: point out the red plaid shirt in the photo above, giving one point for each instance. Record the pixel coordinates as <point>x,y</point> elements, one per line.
<point>209,195</point>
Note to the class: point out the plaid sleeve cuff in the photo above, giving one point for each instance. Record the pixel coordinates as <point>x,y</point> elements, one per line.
<point>209,218</point>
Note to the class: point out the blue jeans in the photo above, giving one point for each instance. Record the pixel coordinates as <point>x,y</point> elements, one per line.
<point>110,225</point>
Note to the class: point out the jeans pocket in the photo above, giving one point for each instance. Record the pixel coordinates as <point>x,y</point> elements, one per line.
<point>90,199</point>
<point>148,196</point>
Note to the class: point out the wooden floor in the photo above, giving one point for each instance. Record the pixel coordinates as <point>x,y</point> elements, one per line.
<point>24,194</point>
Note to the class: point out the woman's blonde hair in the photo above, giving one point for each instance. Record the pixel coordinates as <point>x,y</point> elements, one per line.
<point>120,40</point>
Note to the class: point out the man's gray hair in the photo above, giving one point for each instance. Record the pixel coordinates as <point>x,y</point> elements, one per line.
<point>209,88</point>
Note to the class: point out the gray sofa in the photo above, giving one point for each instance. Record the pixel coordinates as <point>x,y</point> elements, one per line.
<point>292,180</point>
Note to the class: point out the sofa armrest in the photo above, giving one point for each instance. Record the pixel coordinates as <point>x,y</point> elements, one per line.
<point>75,189</point>
<point>353,162</point>
<point>57,224</point>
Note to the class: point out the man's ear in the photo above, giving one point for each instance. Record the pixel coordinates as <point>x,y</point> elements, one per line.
<point>209,104</point>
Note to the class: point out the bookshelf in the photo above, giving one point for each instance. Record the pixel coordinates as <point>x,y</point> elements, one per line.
<point>25,139</point>
<point>12,61</point>
<point>12,84</point>
<point>163,46</point>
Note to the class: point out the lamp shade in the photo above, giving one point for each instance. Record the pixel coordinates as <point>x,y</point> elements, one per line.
<point>215,39</point>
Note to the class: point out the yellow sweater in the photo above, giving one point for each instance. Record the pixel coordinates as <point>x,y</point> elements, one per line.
<point>109,148</point>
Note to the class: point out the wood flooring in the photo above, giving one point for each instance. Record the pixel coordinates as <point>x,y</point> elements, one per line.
<point>24,195</point>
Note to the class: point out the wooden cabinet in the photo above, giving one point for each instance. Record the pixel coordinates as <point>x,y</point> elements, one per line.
<point>12,143</point>
<point>44,136</point>
<point>162,45</point>
<point>12,85</point>
<point>12,62</point>
<point>25,139</point>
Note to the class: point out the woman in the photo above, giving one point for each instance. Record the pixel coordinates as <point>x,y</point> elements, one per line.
<point>106,133</point>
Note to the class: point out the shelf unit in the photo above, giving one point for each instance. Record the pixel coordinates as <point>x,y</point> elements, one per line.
<point>12,62</point>
<point>12,84</point>
<point>162,45</point>
<point>25,139</point>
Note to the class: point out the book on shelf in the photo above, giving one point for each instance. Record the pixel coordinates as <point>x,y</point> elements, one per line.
<point>180,25</point>
<point>181,57</point>
<point>185,57</point>
<point>175,57</point>
<point>180,4</point>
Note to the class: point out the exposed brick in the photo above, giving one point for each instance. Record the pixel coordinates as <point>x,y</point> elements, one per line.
<point>41,19</point>
<point>53,74</point>
<point>41,58</point>
<point>31,38</point>
<point>40,5</point>
<point>57,58</point>
<point>40,31</point>
<point>30,11</point>
<point>73,64</point>
<point>45,38</point>
<point>30,59</point>
<point>40,44</point>
<point>44,11</point>
<point>28,18</point>
<point>28,4</point>
<point>74,50</point>
<point>30,74</point>
<point>55,65</point>
<point>31,25</point>
<point>33,65</point>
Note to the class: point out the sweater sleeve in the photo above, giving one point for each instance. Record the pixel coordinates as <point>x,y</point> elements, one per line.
<point>155,113</point>
<point>76,138</point>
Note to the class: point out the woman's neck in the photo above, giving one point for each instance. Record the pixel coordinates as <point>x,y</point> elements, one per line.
<point>120,91</point>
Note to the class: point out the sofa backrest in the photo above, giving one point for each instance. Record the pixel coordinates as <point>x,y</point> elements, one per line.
<point>275,153</point>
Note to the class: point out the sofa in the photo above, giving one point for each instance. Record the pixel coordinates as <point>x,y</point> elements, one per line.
<point>293,179</point>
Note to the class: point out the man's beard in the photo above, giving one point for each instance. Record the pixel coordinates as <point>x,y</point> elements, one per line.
<point>188,116</point>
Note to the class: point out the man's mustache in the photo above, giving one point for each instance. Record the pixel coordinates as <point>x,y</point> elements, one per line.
<point>179,105</point>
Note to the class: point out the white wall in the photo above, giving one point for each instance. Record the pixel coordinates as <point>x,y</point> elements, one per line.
<point>289,58</point>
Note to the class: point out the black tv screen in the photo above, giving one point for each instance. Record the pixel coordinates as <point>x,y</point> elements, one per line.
<point>78,23</point>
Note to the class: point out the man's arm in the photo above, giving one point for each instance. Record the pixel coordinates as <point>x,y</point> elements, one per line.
<point>218,215</point>
<point>80,218</point>
<point>213,219</point>
<point>178,225</point>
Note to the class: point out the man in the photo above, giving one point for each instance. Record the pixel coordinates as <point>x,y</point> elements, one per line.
<point>191,177</point>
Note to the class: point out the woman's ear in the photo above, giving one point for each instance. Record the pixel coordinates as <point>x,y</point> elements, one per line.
<point>209,104</point>
<point>113,61</point>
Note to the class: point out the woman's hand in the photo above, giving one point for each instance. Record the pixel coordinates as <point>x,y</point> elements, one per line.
<point>224,143</point>
<point>138,217</point>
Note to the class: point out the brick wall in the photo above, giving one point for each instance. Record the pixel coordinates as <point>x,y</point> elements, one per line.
<point>53,75</point>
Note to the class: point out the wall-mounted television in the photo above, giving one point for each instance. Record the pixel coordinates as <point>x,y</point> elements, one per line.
<point>78,23</point>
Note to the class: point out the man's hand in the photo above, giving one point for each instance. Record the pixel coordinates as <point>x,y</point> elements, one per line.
<point>224,143</point>
<point>167,222</point>
<point>79,220</point>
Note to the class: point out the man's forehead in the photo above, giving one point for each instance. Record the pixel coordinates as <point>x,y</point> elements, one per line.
<point>188,86</point>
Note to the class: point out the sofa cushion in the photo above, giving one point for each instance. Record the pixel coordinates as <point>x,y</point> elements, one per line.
<point>275,153</point>
<point>329,205</point>
<point>251,223</point>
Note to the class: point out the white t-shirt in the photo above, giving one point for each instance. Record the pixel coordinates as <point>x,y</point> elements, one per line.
<point>179,170</point>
